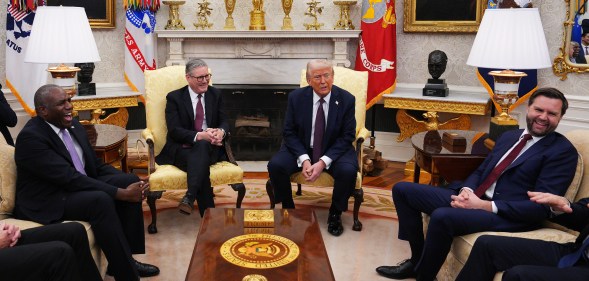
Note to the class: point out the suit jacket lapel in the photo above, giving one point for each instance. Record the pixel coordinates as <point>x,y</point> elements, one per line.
<point>331,115</point>
<point>54,138</point>
<point>308,114</point>
<point>185,98</point>
<point>208,104</point>
<point>536,148</point>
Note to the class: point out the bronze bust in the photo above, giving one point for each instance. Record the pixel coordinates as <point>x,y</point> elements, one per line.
<point>436,63</point>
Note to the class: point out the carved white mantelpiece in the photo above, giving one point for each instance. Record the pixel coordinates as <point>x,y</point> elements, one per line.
<point>272,57</point>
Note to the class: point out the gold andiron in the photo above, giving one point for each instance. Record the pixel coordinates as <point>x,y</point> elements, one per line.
<point>229,23</point>
<point>344,21</point>
<point>312,11</point>
<point>174,21</point>
<point>287,21</point>
<point>257,16</point>
<point>204,11</point>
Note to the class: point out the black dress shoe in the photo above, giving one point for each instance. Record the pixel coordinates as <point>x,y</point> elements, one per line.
<point>146,270</point>
<point>403,270</point>
<point>334,225</point>
<point>186,205</point>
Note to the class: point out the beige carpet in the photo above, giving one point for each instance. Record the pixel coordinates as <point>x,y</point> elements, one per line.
<point>353,256</point>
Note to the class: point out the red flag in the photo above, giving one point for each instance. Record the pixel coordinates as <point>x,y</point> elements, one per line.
<point>377,48</point>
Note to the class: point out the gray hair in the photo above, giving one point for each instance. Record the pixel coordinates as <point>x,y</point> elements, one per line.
<point>575,44</point>
<point>195,63</point>
<point>314,63</point>
<point>41,94</point>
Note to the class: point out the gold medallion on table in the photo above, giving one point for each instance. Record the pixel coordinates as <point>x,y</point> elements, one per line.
<point>259,251</point>
<point>254,277</point>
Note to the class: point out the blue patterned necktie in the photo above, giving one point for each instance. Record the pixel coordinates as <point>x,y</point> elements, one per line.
<point>69,144</point>
<point>572,258</point>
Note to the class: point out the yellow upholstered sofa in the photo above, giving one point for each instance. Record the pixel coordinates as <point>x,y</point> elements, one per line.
<point>578,189</point>
<point>355,82</point>
<point>7,200</point>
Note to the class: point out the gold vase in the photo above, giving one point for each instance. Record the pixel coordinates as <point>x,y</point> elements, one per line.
<point>287,21</point>
<point>174,21</point>
<point>257,21</point>
<point>229,23</point>
<point>344,21</point>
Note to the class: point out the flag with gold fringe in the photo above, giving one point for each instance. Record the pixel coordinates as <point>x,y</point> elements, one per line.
<point>529,83</point>
<point>140,41</point>
<point>23,79</point>
<point>377,48</point>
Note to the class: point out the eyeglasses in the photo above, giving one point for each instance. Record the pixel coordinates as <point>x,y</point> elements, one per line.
<point>317,78</point>
<point>201,78</point>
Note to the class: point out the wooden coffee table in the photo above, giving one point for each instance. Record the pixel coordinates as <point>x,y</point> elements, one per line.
<point>220,225</point>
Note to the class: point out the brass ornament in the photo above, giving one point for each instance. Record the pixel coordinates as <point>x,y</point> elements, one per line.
<point>229,22</point>
<point>174,21</point>
<point>344,22</point>
<point>204,11</point>
<point>259,251</point>
<point>254,277</point>
<point>287,21</point>
<point>257,21</point>
<point>313,10</point>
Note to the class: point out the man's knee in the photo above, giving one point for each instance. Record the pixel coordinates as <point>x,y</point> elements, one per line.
<point>400,189</point>
<point>518,272</point>
<point>73,229</point>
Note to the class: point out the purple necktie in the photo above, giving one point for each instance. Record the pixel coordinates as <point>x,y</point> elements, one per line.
<point>319,130</point>
<point>494,175</point>
<point>69,144</point>
<point>200,115</point>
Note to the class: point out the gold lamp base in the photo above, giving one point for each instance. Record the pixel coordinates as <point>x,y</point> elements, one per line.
<point>505,95</point>
<point>64,76</point>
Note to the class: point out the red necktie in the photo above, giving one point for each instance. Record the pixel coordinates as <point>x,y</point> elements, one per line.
<point>319,130</point>
<point>494,175</point>
<point>200,115</point>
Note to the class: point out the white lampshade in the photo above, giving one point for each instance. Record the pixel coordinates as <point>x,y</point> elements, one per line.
<point>510,39</point>
<point>61,35</point>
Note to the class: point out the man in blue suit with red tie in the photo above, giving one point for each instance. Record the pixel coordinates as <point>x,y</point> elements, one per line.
<point>319,128</point>
<point>492,198</point>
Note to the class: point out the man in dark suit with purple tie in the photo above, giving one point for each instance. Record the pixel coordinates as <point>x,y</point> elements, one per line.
<point>494,197</point>
<point>530,259</point>
<point>319,128</point>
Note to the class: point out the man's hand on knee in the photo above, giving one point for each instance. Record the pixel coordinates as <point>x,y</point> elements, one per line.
<point>313,172</point>
<point>133,193</point>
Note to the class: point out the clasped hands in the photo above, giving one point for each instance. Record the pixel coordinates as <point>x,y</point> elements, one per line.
<point>9,235</point>
<point>135,192</point>
<point>466,199</point>
<point>212,135</point>
<point>312,172</point>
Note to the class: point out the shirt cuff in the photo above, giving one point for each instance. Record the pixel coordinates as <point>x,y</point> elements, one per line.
<point>195,137</point>
<point>494,207</point>
<point>327,161</point>
<point>302,159</point>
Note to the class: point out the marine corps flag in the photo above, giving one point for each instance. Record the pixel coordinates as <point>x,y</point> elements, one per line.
<point>377,48</point>
<point>22,78</point>
<point>139,41</point>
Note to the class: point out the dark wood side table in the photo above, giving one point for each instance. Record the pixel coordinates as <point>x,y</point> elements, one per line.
<point>221,224</point>
<point>444,161</point>
<point>110,144</point>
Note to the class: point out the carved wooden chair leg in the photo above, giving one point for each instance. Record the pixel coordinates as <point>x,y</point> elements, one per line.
<point>270,192</point>
<point>299,192</point>
<point>240,188</point>
<point>358,199</point>
<point>151,197</point>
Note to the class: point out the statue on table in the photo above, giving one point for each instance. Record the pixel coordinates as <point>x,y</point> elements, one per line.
<point>436,65</point>
<point>85,88</point>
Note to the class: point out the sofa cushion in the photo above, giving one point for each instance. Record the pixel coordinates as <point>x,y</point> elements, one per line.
<point>7,180</point>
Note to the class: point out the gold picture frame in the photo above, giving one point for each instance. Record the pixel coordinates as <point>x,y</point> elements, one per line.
<point>562,65</point>
<point>101,13</point>
<point>443,15</point>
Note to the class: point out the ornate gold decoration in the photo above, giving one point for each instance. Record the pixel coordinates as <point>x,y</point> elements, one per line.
<point>344,21</point>
<point>204,11</point>
<point>258,218</point>
<point>313,10</point>
<point>410,24</point>
<point>257,21</point>
<point>174,21</point>
<point>107,102</point>
<point>287,21</point>
<point>562,66</point>
<point>437,106</point>
<point>259,251</point>
<point>254,277</point>
<point>229,23</point>
<point>408,125</point>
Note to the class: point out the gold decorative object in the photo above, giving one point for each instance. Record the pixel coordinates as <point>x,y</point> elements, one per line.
<point>505,94</point>
<point>312,11</point>
<point>174,21</point>
<point>254,277</point>
<point>258,218</point>
<point>344,21</point>
<point>204,11</point>
<point>561,66</point>
<point>259,251</point>
<point>257,21</point>
<point>411,24</point>
<point>229,23</point>
<point>287,21</point>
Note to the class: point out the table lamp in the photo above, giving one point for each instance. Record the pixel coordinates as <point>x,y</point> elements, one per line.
<point>62,35</point>
<point>509,39</point>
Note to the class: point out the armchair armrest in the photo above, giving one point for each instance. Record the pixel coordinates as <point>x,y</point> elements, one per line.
<point>362,135</point>
<point>227,146</point>
<point>148,136</point>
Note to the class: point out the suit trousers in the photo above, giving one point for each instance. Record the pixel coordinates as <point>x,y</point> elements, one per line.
<point>51,252</point>
<point>445,222</point>
<point>283,164</point>
<point>118,226</point>
<point>521,259</point>
<point>196,162</point>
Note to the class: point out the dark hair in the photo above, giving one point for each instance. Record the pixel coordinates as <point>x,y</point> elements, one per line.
<point>41,94</point>
<point>551,93</point>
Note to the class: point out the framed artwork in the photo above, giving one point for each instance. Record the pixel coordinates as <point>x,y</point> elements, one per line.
<point>443,15</point>
<point>101,13</point>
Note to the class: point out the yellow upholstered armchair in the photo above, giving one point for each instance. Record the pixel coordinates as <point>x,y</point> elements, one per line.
<point>158,83</point>
<point>355,82</point>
